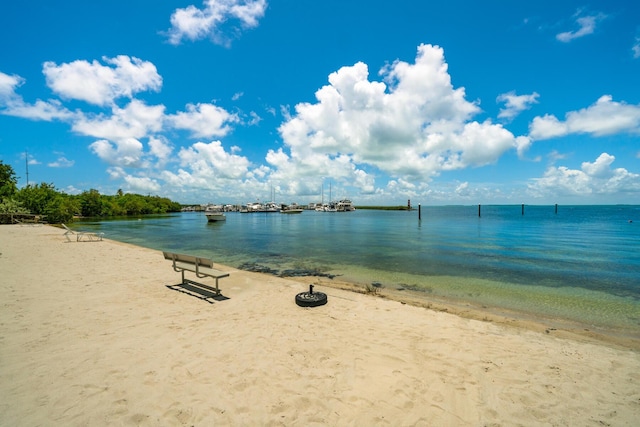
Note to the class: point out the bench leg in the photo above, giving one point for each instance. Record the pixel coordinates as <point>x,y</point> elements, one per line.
<point>187,281</point>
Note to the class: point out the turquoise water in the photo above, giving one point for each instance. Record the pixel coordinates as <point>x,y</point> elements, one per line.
<point>580,264</point>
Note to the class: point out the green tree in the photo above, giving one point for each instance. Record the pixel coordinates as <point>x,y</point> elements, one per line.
<point>91,203</point>
<point>8,181</point>
<point>44,199</point>
<point>35,198</point>
<point>12,206</point>
<point>61,208</point>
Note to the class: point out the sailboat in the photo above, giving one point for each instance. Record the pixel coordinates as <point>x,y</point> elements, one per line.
<point>327,207</point>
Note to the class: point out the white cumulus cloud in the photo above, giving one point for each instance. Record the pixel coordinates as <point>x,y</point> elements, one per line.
<point>100,84</point>
<point>142,184</point>
<point>413,123</point>
<point>160,149</point>
<point>135,120</point>
<point>127,152</point>
<point>211,161</point>
<point>40,110</point>
<point>12,104</point>
<point>593,178</point>
<point>515,104</point>
<point>219,20</point>
<point>204,120</point>
<point>605,117</point>
<point>8,85</point>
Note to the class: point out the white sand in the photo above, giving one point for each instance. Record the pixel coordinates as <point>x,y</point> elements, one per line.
<point>91,335</point>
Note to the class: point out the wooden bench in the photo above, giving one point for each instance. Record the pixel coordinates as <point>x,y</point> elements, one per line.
<point>202,267</point>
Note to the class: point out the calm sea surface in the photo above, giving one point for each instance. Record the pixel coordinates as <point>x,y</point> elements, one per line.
<point>581,264</point>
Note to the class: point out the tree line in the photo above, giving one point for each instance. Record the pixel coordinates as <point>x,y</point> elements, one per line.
<point>56,206</point>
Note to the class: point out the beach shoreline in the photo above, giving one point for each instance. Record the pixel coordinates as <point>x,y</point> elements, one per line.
<point>518,319</point>
<point>91,334</point>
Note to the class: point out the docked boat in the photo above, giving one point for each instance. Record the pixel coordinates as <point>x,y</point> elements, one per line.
<point>291,209</point>
<point>271,207</point>
<point>215,213</point>
<point>345,205</point>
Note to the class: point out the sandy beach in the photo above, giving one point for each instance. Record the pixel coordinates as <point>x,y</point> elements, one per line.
<point>91,335</point>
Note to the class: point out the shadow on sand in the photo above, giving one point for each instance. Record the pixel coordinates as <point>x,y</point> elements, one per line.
<point>197,291</point>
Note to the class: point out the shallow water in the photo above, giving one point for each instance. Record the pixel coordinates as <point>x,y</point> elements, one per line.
<point>580,264</point>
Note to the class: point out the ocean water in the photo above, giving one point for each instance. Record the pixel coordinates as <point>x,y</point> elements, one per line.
<point>581,264</point>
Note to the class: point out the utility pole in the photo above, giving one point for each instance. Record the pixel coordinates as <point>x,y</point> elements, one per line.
<point>26,159</point>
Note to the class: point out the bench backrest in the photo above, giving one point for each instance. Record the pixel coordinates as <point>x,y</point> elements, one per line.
<point>190,259</point>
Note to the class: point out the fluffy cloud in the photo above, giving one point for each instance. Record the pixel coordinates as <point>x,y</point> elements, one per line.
<point>515,104</point>
<point>40,110</point>
<point>586,25</point>
<point>136,120</point>
<point>8,85</point>
<point>12,104</point>
<point>61,162</point>
<point>142,184</point>
<point>605,117</point>
<point>209,167</point>
<point>194,24</point>
<point>160,149</point>
<point>211,161</point>
<point>100,84</point>
<point>120,130</point>
<point>412,124</point>
<point>204,120</point>
<point>592,178</point>
<point>127,152</point>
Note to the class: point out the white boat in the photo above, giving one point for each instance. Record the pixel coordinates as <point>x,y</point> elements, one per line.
<point>215,213</point>
<point>255,207</point>
<point>345,205</point>
<point>291,209</point>
<point>328,207</point>
<point>215,216</point>
<point>271,207</point>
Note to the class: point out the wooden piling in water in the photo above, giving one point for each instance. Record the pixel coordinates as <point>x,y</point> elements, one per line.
<point>478,211</point>
<point>419,212</point>
<point>556,209</point>
<point>523,209</point>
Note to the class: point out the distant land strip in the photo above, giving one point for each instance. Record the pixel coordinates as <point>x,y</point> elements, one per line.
<point>386,208</point>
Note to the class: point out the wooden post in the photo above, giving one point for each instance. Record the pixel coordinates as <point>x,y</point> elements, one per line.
<point>523,209</point>
<point>419,212</point>
<point>556,209</point>
<point>478,211</point>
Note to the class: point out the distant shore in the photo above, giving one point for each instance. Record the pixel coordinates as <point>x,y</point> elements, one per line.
<point>92,335</point>
<point>387,208</point>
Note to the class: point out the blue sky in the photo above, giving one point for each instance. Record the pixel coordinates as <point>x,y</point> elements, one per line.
<point>456,102</point>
